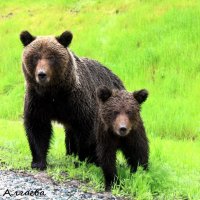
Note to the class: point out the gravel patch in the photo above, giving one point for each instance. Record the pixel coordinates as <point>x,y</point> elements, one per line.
<point>18,185</point>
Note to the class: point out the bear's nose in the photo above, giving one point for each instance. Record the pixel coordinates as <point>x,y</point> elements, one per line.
<point>122,130</point>
<point>42,75</point>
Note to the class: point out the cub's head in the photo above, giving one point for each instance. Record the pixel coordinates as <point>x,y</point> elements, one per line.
<point>44,57</point>
<point>119,109</point>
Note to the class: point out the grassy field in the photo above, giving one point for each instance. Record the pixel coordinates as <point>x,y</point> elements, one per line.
<point>152,44</point>
<point>174,166</point>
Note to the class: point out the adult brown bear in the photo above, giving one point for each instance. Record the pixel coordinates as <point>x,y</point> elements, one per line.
<point>60,87</point>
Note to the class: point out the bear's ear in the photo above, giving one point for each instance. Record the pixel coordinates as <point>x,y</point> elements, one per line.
<point>140,95</point>
<point>26,38</point>
<point>65,38</point>
<point>103,93</point>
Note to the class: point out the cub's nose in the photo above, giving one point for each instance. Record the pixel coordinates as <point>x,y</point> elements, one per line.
<point>42,76</point>
<point>123,130</point>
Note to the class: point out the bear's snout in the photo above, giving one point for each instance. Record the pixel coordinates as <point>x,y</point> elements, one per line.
<point>122,130</point>
<point>43,72</point>
<point>122,125</point>
<point>42,76</point>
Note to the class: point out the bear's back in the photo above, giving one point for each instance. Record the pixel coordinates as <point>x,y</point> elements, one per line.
<point>102,75</point>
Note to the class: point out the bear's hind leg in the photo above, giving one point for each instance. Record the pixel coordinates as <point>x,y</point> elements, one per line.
<point>70,142</point>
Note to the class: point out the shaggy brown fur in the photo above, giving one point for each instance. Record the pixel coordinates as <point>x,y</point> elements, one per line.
<point>61,87</point>
<point>120,127</point>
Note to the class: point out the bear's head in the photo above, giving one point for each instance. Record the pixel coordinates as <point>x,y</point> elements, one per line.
<point>45,57</point>
<point>120,110</point>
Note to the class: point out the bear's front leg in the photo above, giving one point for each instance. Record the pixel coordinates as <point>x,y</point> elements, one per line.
<point>144,156</point>
<point>136,151</point>
<point>131,156</point>
<point>107,160</point>
<point>38,133</point>
<point>142,150</point>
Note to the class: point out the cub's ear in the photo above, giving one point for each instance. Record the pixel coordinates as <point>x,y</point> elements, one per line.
<point>65,38</point>
<point>140,95</point>
<point>26,38</point>
<point>103,93</point>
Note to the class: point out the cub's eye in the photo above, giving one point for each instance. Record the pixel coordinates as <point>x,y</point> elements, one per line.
<point>115,113</point>
<point>128,112</point>
<point>51,58</point>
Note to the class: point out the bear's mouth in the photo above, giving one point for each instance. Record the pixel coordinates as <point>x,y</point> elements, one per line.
<point>122,132</point>
<point>42,77</point>
<point>42,80</point>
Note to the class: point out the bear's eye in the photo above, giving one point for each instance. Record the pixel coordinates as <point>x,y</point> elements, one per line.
<point>35,58</point>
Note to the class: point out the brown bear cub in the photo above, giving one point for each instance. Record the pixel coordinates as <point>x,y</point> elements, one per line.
<point>61,87</point>
<point>120,126</point>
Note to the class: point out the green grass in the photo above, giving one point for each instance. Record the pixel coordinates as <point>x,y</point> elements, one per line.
<point>174,165</point>
<point>152,44</point>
